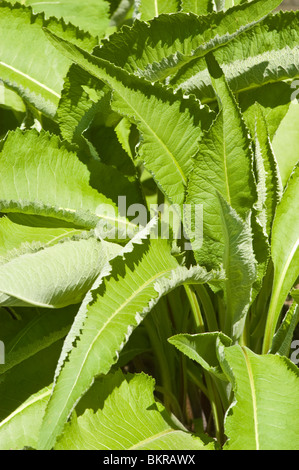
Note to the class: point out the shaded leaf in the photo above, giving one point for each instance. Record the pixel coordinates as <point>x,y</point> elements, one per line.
<point>202,348</point>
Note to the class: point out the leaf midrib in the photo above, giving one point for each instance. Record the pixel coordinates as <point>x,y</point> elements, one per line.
<point>99,68</point>
<point>24,406</point>
<point>33,80</point>
<point>154,438</point>
<point>253,395</point>
<point>127,301</point>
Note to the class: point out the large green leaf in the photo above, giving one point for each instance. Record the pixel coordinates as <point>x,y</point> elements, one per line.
<point>264,413</point>
<point>112,310</point>
<point>130,418</point>
<point>285,252</point>
<point>145,10</point>
<point>162,46</point>
<point>36,73</point>
<point>266,53</point>
<point>150,49</point>
<point>224,165</point>
<point>42,182</point>
<point>94,17</point>
<point>53,276</point>
<point>168,142</point>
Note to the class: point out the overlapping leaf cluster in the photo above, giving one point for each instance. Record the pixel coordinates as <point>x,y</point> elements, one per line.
<point>110,341</point>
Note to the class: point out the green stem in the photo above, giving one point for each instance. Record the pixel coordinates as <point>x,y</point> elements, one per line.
<point>198,383</point>
<point>163,366</point>
<point>216,408</point>
<point>272,320</point>
<point>215,401</point>
<point>195,308</point>
<point>208,307</point>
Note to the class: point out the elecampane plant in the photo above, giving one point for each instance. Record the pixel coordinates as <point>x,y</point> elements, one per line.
<point>149,200</point>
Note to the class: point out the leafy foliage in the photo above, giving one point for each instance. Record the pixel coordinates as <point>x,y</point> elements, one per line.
<point>148,225</point>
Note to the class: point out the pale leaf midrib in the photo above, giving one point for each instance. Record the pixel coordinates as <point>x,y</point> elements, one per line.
<point>225,164</point>
<point>135,293</point>
<point>154,438</point>
<point>33,80</point>
<point>162,144</point>
<point>254,400</point>
<point>25,406</point>
<point>94,69</point>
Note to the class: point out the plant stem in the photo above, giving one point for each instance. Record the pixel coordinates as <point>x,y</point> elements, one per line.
<point>215,401</point>
<point>208,307</point>
<point>163,366</point>
<point>216,408</point>
<point>195,308</point>
<point>198,383</point>
<point>272,319</point>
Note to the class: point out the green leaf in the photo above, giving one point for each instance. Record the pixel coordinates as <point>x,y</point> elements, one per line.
<point>168,143</point>
<point>285,141</point>
<point>240,267</point>
<point>224,165</point>
<point>14,235</point>
<point>266,53</point>
<point>45,328</point>
<point>94,17</point>
<point>199,7</point>
<point>82,97</point>
<point>266,390</point>
<point>285,253</point>
<point>27,378</point>
<point>112,310</point>
<point>10,100</point>
<point>269,187</point>
<point>202,348</point>
<point>42,182</point>
<point>37,81</point>
<point>283,337</point>
<point>130,418</point>
<point>295,295</point>
<point>55,276</point>
<point>20,429</point>
<point>162,46</point>
<point>145,10</point>
<point>273,99</point>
